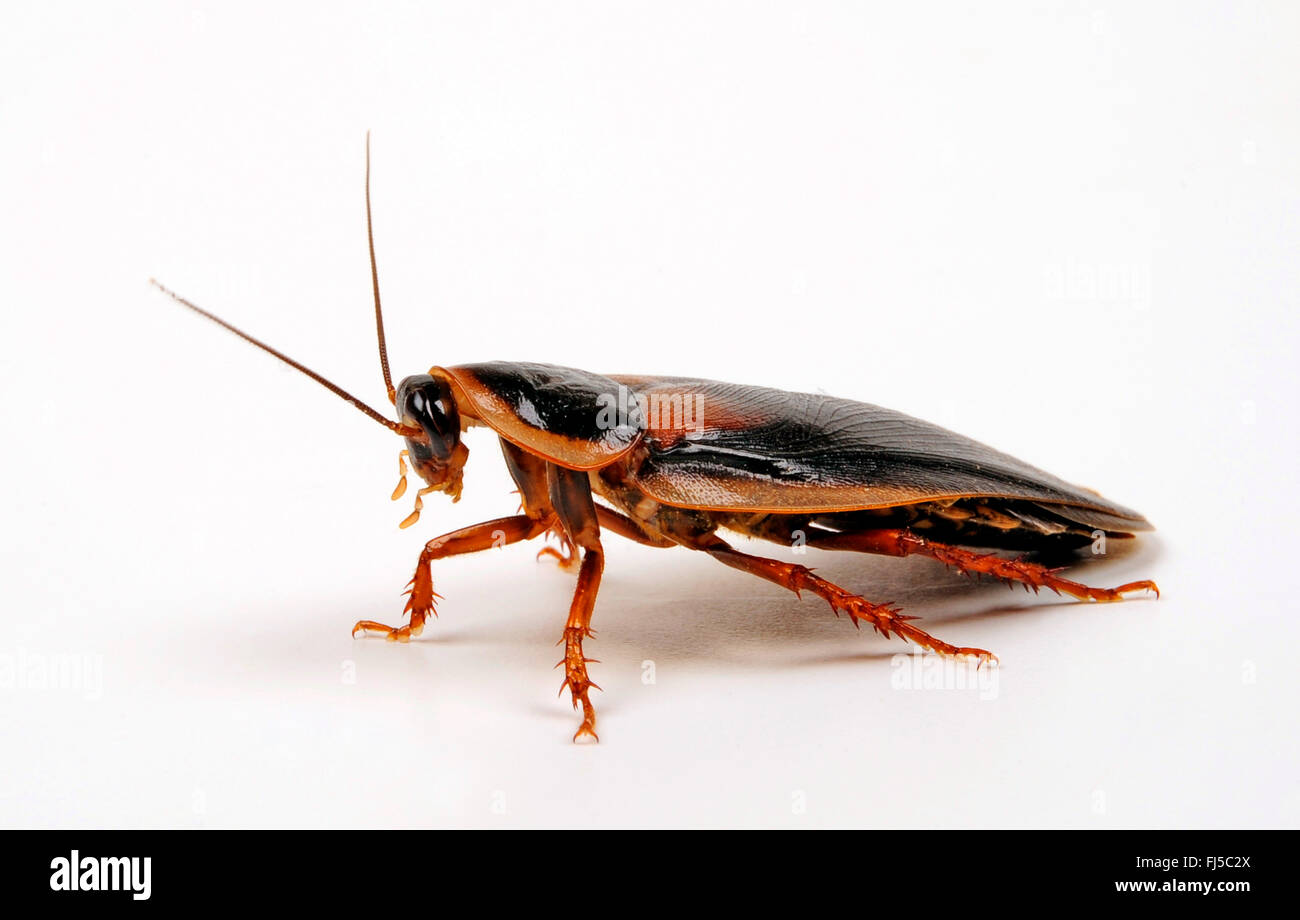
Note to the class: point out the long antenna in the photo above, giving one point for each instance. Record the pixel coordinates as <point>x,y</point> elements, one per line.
<point>407,431</point>
<point>374,282</point>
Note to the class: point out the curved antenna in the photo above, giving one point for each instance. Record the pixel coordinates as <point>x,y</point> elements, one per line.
<point>407,431</point>
<point>374,283</point>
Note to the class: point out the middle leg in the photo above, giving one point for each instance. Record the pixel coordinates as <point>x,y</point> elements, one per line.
<point>570,494</point>
<point>884,618</point>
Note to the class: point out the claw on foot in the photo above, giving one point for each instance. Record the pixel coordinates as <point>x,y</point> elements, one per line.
<point>888,619</point>
<point>391,633</point>
<point>1118,593</point>
<point>566,555</point>
<point>419,605</point>
<point>577,682</point>
<point>1016,571</point>
<point>939,647</point>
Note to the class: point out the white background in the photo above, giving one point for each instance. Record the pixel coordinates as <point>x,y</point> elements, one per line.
<point>1067,230</point>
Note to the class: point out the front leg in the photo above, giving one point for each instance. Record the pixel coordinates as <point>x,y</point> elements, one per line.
<point>483,536</point>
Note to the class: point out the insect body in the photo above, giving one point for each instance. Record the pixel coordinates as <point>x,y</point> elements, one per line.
<point>784,467</point>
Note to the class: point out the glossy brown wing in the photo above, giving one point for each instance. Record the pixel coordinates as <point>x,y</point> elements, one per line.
<point>743,448</point>
<point>563,414</point>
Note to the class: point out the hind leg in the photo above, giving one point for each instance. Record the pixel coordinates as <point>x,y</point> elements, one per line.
<point>1030,574</point>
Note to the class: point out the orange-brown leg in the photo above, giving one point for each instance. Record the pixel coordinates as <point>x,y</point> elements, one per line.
<point>586,523</point>
<point>570,495</point>
<point>1030,574</point>
<point>884,618</point>
<point>483,536</point>
<point>577,628</point>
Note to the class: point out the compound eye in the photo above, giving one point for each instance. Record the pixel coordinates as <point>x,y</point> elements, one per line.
<point>429,413</point>
<point>432,407</point>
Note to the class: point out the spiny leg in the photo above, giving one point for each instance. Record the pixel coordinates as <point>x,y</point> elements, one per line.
<point>483,536</point>
<point>570,495</point>
<point>1030,574</point>
<point>577,628</point>
<point>884,618</point>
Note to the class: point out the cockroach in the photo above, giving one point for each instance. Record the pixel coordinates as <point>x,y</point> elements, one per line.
<point>676,460</point>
